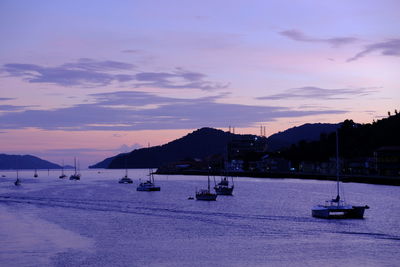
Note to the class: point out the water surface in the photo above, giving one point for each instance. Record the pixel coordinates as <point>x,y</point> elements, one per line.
<point>98,222</point>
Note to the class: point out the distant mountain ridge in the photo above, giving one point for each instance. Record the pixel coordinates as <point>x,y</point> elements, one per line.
<point>307,132</point>
<point>206,142</point>
<point>8,162</point>
<point>198,144</point>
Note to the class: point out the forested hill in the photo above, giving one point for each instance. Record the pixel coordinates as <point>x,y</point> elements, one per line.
<point>206,142</point>
<point>355,140</point>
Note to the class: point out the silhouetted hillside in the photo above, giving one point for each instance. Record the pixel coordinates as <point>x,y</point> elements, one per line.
<point>308,132</point>
<point>198,144</point>
<point>355,140</point>
<point>8,162</point>
<point>104,163</point>
<point>206,142</point>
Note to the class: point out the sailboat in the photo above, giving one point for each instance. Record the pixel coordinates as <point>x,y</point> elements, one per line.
<point>18,181</point>
<point>125,179</point>
<point>35,175</point>
<point>337,208</point>
<point>205,194</point>
<point>223,188</point>
<point>62,176</point>
<point>76,175</point>
<point>148,185</point>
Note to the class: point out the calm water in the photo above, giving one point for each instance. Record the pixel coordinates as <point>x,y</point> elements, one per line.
<point>98,222</point>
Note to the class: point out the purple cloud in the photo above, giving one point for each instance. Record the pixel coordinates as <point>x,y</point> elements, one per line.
<point>130,111</point>
<point>386,48</point>
<point>312,92</point>
<point>179,79</point>
<point>87,72</point>
<point>297,35</point>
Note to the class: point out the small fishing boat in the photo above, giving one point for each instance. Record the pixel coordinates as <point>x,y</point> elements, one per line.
<point>337,208</point>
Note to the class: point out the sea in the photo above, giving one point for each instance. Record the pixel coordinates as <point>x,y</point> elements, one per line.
<point>96,221</point>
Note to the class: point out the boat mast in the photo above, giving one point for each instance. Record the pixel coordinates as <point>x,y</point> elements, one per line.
<point>208,178</point>
<point>337,165</point>
<point>75,164</point>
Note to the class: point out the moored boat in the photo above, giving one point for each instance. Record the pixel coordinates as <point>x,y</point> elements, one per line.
<point>336,208</point>
<point>206,194</point>
<point>125,179</point>
<point>62,176</point>
<point>223,188</point>
<point>148,185</point>
<point>76,176</point>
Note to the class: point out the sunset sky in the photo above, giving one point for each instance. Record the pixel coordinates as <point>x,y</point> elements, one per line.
<point>95,78</point>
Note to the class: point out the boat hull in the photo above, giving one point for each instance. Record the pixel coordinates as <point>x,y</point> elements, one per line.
<point>148,187</point>
<point>156,188</point>
<point>223,190</point>
<point>206,197</point>
<point>339,212</point>
<point>125,181</point>
<point>75,177</point>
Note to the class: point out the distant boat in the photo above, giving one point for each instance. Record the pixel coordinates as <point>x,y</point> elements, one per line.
<point>62,176</point>
<point>148,185</point>
<point>18,181</point>
<point>125,179</point>
<point>35,175</point>
<point>76,175</point>
<point>336,208</point>
<point>205,194</point>
<point>223,188</point>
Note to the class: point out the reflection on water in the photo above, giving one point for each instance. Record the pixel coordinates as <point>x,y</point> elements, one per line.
<point>97,221</point>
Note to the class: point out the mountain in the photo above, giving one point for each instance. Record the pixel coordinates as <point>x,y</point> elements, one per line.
<point>206,142</point>
<point>198,144</point>
<point>356,141</point>
<point>307,132</point>
<point>25,162</point>
<point>104,163</point>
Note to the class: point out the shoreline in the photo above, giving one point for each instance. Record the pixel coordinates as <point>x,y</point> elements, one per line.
<point>366,179</point>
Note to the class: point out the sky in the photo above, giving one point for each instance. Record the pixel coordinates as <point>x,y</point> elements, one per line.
<point>94,78</point>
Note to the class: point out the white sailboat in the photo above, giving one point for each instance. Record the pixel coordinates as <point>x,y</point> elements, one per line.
<point>337,208</point>
<point>148,185</point>
<point>36,174</point>
<point>76,175</point>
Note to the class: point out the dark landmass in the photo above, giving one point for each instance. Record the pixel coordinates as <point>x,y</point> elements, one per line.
<point>198,144</point>
<point>355,141</point>
<point>104,163</point>
<point>8,162</point>
<point>206,142</point>
<point>306,132</point>
<point>368,153</point>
